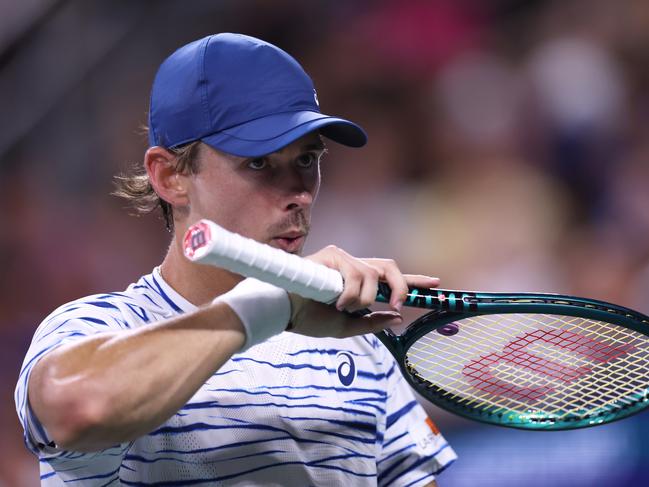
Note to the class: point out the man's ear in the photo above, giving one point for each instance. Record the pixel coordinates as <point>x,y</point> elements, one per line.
<point>168,184</point>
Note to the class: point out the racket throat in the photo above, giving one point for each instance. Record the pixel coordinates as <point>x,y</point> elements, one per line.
<point>394,343</point>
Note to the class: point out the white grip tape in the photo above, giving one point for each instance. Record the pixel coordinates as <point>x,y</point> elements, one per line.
<point>207,243</point>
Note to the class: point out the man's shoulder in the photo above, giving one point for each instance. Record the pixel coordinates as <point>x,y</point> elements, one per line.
<point>139,303</point>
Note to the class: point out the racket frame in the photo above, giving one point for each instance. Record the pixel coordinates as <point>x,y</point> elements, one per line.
<point>451,306</point>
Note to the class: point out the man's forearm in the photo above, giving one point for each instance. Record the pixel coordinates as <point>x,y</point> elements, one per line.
<point>115,387</point>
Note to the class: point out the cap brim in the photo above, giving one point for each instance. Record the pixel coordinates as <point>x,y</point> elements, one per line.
<point>269,134</point>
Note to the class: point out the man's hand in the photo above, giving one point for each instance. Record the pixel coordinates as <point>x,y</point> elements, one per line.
<point>361,278</point>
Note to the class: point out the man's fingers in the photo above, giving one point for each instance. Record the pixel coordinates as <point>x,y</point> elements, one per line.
<point>418,280</point>
<point>361,277</point>
<point>348,299</point>
<point>390,273</point>
<point>370,287</point>
<point>361,283</point>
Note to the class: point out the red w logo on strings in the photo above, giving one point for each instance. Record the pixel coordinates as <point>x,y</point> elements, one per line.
<point>479,372</point>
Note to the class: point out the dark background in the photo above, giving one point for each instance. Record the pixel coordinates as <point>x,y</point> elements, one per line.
<point>508,151</point>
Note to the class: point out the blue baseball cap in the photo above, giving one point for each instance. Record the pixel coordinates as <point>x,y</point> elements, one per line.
<point>240,95</point>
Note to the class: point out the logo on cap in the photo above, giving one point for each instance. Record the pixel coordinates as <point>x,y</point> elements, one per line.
<point>315,97</point>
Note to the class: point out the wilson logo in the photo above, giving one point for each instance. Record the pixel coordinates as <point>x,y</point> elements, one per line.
<point>516,353</point>
<point>346,368</point>
<point>196,238</point>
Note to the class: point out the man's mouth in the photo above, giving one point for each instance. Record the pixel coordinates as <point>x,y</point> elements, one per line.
<point>289,242</point>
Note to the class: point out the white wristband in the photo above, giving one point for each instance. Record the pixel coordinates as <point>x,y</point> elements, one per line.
<point>264,309</point>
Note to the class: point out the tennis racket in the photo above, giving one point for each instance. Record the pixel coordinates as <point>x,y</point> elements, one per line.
<point>525,360</point>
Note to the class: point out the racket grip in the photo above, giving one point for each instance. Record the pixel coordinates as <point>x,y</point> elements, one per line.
<point>205,242</point>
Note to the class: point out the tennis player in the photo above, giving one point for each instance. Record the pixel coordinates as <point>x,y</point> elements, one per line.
<point>190,376</point>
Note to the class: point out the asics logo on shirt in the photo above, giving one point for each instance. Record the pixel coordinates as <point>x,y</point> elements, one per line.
<point>346,368</point>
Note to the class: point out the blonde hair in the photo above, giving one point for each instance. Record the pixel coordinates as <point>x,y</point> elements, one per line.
<point>136,188</point>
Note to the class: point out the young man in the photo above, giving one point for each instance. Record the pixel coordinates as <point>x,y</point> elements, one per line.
<point>187,377</point>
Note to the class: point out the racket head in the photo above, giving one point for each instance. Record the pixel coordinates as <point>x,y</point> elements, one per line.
<point>529,361</point>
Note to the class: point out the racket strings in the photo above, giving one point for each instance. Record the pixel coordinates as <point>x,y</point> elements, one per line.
<point>555,366</point>
<point>425,354</point>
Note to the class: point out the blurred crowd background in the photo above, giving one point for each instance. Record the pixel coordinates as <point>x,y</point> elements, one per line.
<point>508,150</point>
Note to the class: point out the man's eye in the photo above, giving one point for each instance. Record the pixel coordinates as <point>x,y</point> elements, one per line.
<point>258,164</point>
<point>307,160</point>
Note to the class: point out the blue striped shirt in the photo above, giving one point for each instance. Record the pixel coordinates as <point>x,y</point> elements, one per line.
<point>292,411</point>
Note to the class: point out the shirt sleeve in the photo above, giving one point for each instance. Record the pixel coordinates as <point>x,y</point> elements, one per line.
<point>413,450</point>
<point>67,324</point>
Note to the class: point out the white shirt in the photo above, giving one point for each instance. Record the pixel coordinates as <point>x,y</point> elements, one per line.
<point>292,411</point>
